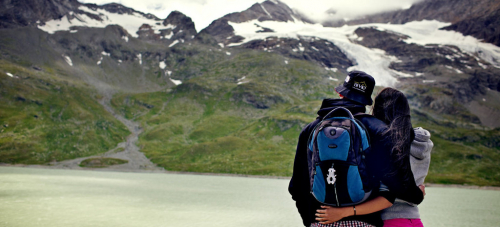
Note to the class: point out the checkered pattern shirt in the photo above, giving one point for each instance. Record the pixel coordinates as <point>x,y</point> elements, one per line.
<point>352,223</point>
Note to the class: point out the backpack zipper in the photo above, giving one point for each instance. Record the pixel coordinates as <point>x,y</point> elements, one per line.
<point>335,188</point>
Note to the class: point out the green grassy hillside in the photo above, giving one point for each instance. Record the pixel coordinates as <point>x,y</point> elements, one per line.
<point>44,118</point>
<point>212,124</point>
<point>464,151</point>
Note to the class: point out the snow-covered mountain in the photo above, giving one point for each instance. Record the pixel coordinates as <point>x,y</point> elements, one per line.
<point>273,27</point>
<point>478,18</point>
<point>69,15</point>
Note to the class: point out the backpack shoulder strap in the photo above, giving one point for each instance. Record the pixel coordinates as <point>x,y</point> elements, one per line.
<point>363,115</point>
<point>356,118</point>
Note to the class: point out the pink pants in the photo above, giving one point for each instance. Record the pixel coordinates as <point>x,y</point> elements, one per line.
<point>401,222</point>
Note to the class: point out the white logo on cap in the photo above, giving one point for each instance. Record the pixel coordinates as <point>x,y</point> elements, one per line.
<point>360,86</point>
<point>347,78</point>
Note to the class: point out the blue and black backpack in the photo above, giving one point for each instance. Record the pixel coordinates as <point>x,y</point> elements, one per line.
<point>336,157</point>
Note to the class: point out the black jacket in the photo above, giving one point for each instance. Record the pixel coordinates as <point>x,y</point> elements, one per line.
<point>378,164</point>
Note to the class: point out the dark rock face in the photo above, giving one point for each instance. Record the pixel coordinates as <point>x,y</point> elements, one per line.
<point>415,58</point>
<point>146,32</point>
<point>219,30</point>
<point>486,27</point>
<point>458,78</point>
<point>119,9</point>
<point>20,13</point>
<point>268,10</point>
<point>184,26</point>
<point>324,52</point>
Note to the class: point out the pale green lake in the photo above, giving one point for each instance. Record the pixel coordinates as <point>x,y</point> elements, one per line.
<point>56,198</point>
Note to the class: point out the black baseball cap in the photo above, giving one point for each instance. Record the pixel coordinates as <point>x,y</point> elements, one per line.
<point>358,86</point>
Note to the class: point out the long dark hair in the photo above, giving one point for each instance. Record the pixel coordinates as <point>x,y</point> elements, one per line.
<point>391,106</point>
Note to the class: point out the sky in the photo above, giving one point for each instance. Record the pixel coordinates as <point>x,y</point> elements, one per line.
<point>203,12</point>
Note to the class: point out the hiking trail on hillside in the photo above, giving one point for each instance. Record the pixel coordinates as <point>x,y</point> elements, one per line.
<point>127,150</point>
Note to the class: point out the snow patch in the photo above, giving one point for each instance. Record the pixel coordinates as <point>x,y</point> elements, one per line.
<point>401,74</point>
<point>173,43</point>
<point>286,62</point>
<point>68,60</point>
<point>171,26</point>
<point>242,80</point>
<point>163,65</point>
<point>332,69</point>
<point>221,45</point>
<point>428,81</point>
<point>334,79</point>
<point>100,61</point>
<point>140,58</point>
<point>104,53</point>
<point>125,38</point>
<point>228,53</point>
<point>176,82</point>
<point>169,36</point>
<point>168,72</point>
<point>73,31</point>
<point>10,74</point>
<point>301,48</point>
<point>266,11</point>
<point>451,68</point>
<point>406,7</point>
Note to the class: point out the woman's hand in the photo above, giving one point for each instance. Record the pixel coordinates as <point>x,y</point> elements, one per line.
<point>422,188</point>
<point>330,214</point>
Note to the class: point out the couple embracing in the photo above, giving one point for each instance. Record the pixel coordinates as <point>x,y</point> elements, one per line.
<point>392,170</point>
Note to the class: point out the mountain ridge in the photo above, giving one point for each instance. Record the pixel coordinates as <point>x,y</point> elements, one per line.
<point>476,18</point>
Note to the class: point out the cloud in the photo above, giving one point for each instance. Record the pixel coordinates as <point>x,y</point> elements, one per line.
<point>156,7</point>
<point>321,10</point>
<point>203,12</point>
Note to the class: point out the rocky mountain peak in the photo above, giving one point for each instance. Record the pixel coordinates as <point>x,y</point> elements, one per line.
<point>20,13</point>
<point>181,26</point>
<point>270,10</point>
<point>120,9</point>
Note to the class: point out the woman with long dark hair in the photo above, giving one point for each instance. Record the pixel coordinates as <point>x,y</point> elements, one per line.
<point>391,106</point>
<point>410,154</point>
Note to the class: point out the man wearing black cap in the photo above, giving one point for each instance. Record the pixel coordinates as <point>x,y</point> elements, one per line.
<point>355,94</point>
